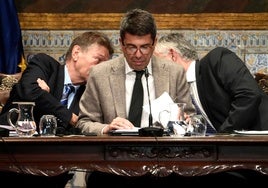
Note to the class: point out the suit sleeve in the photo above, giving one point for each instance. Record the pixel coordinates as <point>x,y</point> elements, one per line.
<point>46,68</point>
<point>239,88</point>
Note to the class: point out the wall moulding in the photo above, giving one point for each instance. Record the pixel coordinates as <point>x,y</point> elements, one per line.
<point>209,21</point>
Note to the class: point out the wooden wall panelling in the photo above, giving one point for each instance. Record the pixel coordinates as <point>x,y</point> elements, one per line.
<point>222,21</point>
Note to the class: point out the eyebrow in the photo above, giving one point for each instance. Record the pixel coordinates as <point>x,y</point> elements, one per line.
<point>148,44</point>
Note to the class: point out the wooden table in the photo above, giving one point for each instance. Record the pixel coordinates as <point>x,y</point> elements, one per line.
<point>134,155</point>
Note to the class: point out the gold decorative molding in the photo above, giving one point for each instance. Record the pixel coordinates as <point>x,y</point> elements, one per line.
<point>221,21</point>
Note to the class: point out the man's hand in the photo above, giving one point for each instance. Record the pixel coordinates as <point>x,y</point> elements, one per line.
<point>118,123</point>
<point>43,85</point>
<point>74,119</point>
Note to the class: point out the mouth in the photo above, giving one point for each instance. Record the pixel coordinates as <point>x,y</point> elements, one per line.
<point>138,62</point>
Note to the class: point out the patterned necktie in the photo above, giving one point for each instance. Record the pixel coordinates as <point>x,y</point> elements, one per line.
<point>68,89</point>
<point>210,129</point>
<point>135,110</point>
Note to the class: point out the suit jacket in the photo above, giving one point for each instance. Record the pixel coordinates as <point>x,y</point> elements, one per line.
<point>229,93</point>
<point>104,97</point>
<point>52,72</point>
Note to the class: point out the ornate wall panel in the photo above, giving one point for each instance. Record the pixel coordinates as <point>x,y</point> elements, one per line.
<point>244,33</point>
<point>250,45</point>
<point>230,21</point>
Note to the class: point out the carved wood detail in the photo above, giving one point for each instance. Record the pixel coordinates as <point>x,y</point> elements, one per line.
<point>222,21</point>
<point>153,153</point>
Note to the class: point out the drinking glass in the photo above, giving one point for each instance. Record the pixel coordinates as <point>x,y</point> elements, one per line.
<point>48,125</point>
<point>198,125</point>
<point>173,119</point>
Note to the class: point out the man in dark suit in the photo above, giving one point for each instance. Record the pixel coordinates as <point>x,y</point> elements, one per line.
<point>226,92</point>
<point>43,83</point>
<point>43,80</point>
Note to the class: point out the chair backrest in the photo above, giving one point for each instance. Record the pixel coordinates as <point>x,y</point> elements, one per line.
<point>262,80</point>
<point>6,83</point>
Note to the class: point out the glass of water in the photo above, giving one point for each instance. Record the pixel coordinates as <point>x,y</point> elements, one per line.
<point>48,125</point>
<point>198,125</point>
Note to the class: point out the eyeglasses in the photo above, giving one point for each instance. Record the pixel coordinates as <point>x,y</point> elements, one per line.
<point>131,49</point>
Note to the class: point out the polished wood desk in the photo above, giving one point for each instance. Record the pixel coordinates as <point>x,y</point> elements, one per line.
<point>133,155</point>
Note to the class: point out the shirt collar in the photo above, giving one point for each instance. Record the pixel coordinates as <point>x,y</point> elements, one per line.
<point>190,74</point>
<point>67,79</point>
<point>129,70</point>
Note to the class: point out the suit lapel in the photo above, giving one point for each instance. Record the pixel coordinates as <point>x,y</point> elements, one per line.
<point>161,77</point>
<point>75,103</point>
<point>117,84</point>
<point>201,88</point>
<point>58,88</point>
<point>117,80</point>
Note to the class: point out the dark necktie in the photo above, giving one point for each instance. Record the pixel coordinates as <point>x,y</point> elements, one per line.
<point>68,89</point>
<point>210,129</point>
<point>135,110</point>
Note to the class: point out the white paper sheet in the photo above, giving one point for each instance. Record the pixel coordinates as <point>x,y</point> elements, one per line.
<point>159,105</point>
<point>7,127</point>
<point>252,132</point>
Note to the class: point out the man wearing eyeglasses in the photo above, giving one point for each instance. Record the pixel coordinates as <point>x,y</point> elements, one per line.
<point>105,104</point>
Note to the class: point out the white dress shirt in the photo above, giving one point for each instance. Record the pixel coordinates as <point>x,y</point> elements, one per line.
<point>67,80</point>
<point>129,83</point>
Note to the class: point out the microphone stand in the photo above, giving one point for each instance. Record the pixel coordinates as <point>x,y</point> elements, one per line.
<point>150,130</point>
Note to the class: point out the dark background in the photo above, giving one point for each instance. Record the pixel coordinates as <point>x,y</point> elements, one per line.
<point>153,6</point>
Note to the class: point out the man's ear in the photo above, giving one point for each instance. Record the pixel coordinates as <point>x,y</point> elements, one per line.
<point>75,51</point>
<point>174,55</point>
<point>121,42</point>
<point>155,41</point>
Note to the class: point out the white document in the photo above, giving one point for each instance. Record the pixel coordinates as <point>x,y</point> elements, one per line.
<point>7,127</point>
<point>134,129</point>
<point>126,132</point>
<point>251,132</point>
<point>159,105</point>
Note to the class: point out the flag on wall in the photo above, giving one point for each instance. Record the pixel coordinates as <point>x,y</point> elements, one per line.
<point>11,48</point>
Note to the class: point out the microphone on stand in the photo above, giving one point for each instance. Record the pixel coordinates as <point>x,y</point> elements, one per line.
<point>148,93</point>
<point>150,130</point>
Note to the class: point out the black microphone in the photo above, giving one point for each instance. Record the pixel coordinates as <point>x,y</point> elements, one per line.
<point>150,130</point>
<point>148,93</point>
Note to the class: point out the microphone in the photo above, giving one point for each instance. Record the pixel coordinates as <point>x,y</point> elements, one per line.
<point>150,130</point>
<point>148,93</point>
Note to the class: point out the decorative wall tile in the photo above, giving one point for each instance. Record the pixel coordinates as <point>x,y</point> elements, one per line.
<point>251,46</point>
<point>257,63</point>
